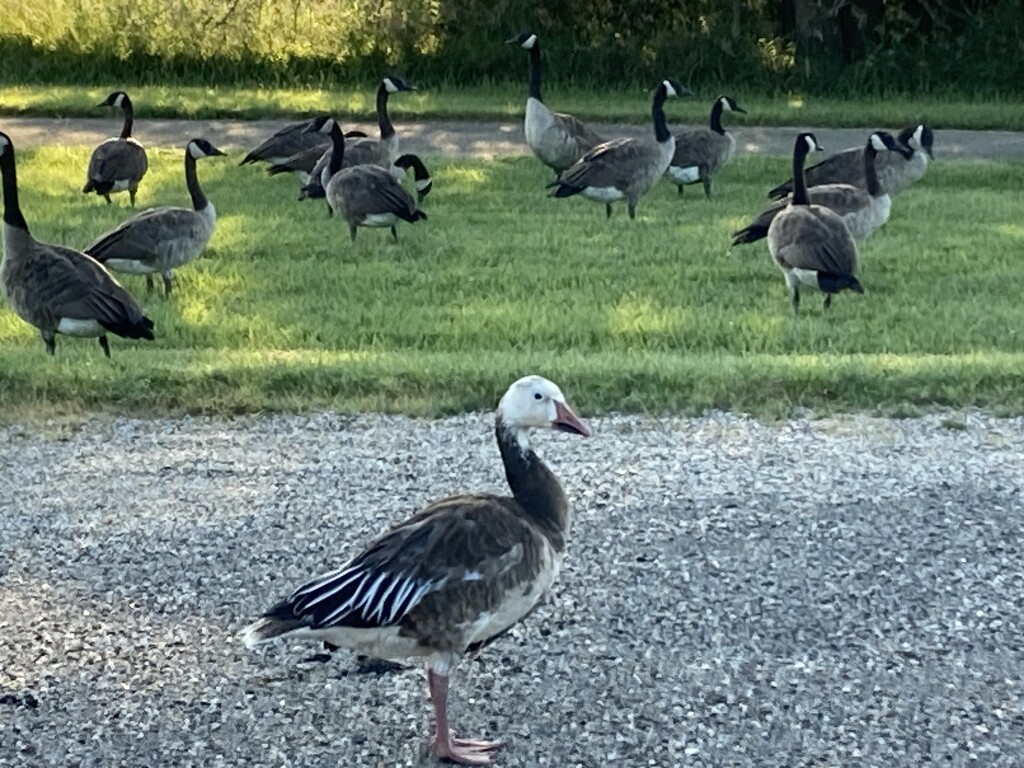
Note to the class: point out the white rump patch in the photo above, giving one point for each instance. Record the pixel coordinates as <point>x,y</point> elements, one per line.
<point>72,327</point>
<point>529,42</point>
<point>120,185</point>
<point>604,194</point>
<point>806,276</point>
<point>687,175</point>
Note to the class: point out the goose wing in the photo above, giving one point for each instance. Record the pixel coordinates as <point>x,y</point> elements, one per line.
<point>815,238</point>
<point>116,160</point>
<point>460,555</point>
<point>696,146</point>
<point>606,165</point>
<point>846,167</point>
<point>288,141</point>
<point>145,234</point>
<point>584,135</point>
<point>372,190</point>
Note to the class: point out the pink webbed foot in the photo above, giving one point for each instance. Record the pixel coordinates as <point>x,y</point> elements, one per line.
<point>464,751</point>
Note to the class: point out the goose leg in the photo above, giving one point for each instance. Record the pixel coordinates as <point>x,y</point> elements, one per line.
<point>706,181</point>
<point>168,276</point>
<point>352,231</point>
<point>107,198</point>
<point>131,194</point>
<point>149,283</point>
<point>330,211</point>
<point>828,301</point>
<point>104,345</point>
<point>444,744</point>
<point>394,233</point>
<point>50,342</point>
<point>632,210</point>
<point>607,210</point>
<point>794,299</point>
<point>680,188</point>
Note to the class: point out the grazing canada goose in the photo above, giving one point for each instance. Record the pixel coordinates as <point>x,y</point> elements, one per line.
<point>453,577</point>
<point>701,151</point>
<point>864,211</point>
<point>380,152</point>
<point>623,169</point>
<point>58,289</point>
<point>811,244</point>
<point>363,195</point>
<point>160,239</point>
<point>291,140</point>
<point>421,176</point>
<point>557,139</point>
<point>117,164</point>
<point>897,170</point>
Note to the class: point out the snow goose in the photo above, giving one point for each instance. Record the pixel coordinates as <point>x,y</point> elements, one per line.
<point>810,243</point>
<point>456,574</point>
<point>58,289</point>
<point>117,164</point>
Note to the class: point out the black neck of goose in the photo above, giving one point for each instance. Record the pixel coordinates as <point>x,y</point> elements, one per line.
<point>535,487</point>
<point>716,117</point>
<point>12,209</point>
<point>387,130</point>
<point>870,171</point>
<point>199,200</point>
<point>337,150</point>
<point>535,71</point>
<point>799,180</point>
<point>661,132</point>
<point>129,118</point>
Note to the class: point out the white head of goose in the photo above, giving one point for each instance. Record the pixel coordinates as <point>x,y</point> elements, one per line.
<point>160,239</point>
<point>363,195</point>
<point>702,151</point>
<point>863,210</point>
<point>557,139</point>
<point>58,289</point>
<point>457,574</point>
<point>117,164</point>
<point>811,244</point>
<point>624,169</point>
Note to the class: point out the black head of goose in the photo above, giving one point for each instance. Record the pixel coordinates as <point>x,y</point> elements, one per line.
<point>557,139</point>
<point>624,169</point>
<point>117,164</point>
<point>455,575</point>
<point>811,244</point>
<point>863,210</point>
<point>363,195</point>
<point>702,151</point>
<point>902,169</point>
<point>304,164</point>
<point>160,239</point>
<point>58,289</point>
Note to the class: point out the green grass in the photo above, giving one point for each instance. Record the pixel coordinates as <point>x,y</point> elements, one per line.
<point>655,315</point>
<point>506,101</point>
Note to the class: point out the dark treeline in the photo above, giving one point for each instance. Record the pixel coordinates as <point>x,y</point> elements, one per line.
<point>824,46</point>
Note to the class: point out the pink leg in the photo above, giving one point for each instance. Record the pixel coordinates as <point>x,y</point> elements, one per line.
<point>444,744</point>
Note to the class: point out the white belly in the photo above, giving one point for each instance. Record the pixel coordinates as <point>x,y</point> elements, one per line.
<point>72,327</point>
<point>131,266</point>
<point>683,175</point>
<point>380,220</point>
<point>120,185</point>
<point>805,276</point>
<point>538,120</point>
<point>603,194</point>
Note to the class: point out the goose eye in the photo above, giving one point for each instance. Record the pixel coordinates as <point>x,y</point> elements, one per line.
<point>538,396</point>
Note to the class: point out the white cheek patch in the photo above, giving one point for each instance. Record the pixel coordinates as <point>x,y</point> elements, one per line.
<point>195,151</point>
<point>390,86</point>
<point>725,104</point>
<point>530,42</point>
<point>878,143</point>
<point>918,134</point>
<point>119,101</point>
<point>328,126</point>
<point>812,145</point>
<point>669,90</point>
<point>4,143</point>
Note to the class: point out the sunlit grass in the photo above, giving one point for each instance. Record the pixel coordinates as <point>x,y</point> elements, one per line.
<point>283,312</point>
<point>505,101</point>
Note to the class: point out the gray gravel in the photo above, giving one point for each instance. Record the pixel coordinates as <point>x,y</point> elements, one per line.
<point>467,138</point>
<point>841,592</point>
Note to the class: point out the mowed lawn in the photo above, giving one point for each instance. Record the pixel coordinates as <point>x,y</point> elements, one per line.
<point>657,314</point>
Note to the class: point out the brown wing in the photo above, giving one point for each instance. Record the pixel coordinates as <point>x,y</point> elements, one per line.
<point>695,146</point>
<point>607,164</point>
<point>813,237</point>
<point>585,136</point>
<point>118,160</point>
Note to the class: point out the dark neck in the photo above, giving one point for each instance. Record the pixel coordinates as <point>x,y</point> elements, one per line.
<point>661,132</point>
<point>535,71</point>
<point>12,210</point>
<point>129,118</point>
<point>419,170</point>
<point>199,200</point>
<point>535,487</point>
<point>870,172</point>
<point>337,150</point>
<point>716,117</point>
<point>799,180</point>
<point>387,130</point>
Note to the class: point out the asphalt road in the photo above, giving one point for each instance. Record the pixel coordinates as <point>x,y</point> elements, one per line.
<point>472,139</point>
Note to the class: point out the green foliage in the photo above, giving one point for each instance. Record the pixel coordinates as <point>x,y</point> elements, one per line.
<point>839,48</point>
<point>283,312</point>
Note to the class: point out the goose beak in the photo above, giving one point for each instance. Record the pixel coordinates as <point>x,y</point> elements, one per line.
<point>567,421</point>
<point>512,40</point>
<point>741,110</point>
<point>216,152</point>
<point>931,155</point>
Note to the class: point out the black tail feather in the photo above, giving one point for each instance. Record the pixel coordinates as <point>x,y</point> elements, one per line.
<point>832,282</point>
<point>750,234</point>
<point>776,193</point>
<point>563,190</point>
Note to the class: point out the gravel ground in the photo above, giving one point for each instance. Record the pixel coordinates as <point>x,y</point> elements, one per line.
<point>467,138</point>
<point>841,592</point>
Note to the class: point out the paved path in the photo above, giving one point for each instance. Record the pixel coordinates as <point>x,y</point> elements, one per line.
<point>469,139</point>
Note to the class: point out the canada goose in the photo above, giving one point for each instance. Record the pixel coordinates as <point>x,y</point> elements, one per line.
<point>623,169</point>
<point>557,139</point>
<point>380,152</point>
<point>864,211</point>
<point>811,244</point>
<point>421,176</point>
<point>456,575</point>
<point>897,170</point>
<point>701,151</point>
<point>117,164</point>
<point>160,239</point>
<point>58,289</point>
<point>301,161</point>
<point>363,195</point>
